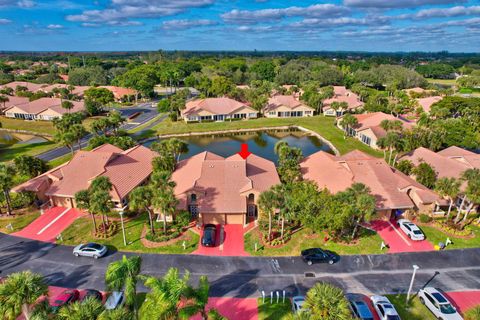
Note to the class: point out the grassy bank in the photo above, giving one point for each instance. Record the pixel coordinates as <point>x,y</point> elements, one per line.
<point>445,82</point>
<point>320,124</point>
<point>45,127</point>
<point>435,236</point>
<point>18,222</point>
<point>368,243</point>
<point>10,152</point>
<point>81,232</point>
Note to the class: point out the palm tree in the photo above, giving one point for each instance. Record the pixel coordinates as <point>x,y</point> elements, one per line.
<point>266,203</point>
<point>162,302</point>
<point>124,275</point>
<point>116,314</point>
<point>90,308</point>
<point>141,198</point>
<point>7,173</point>
<point>82,200</point>
<point>196,300</point>
<point>100,198</point>
<point>472,191</point>
<point>163,195</point>
<point>177,147</point>
<point>473,314</point>
<point>19,292</point>
<point>4,100</point>
<point>347,122</point>
<point>450,188</point>
<point>364,204</point>
<point>327,302</point>
<point>68,105</point>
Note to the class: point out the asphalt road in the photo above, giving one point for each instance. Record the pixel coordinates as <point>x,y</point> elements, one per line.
<point>147,114</point>
<point>451,270</point>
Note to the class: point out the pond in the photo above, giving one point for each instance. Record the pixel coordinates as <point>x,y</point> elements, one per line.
<point>9,138</point>
<point>260,143</point>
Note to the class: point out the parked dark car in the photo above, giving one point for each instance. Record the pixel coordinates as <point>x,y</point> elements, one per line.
<point>64,298</point>
<point>314,255</point>
<point>209,233</point>
<point>93,294</point>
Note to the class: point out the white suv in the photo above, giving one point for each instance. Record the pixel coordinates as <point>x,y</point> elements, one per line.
<point>438,304</point>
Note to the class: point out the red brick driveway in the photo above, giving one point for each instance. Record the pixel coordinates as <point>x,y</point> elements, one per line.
<point>232,242</point>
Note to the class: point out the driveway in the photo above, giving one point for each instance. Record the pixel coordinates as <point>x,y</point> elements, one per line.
<point>234,308</point>
<point>396,239</point>
<point>464,300</point>
<point>50,224</point>
<point>232,244</point>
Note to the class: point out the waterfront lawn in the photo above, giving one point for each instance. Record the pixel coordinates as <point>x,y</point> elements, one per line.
<point>81,232</point>
<point>415,310</point>
<point>18,221</point>
<point>274,311</point>
<point>368,243</point>
<point>31,149</point>
<point>45,127</point>
<point>446,82</point>
<point>434,236</point>
<point>322,125</point>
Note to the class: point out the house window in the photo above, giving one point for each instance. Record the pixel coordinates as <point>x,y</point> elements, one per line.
<point>193,198</point>
<point>252,115</point>
<point>308,112</point>
<point>366,139</point>
<point>192,118</point>
<point>272,113</point>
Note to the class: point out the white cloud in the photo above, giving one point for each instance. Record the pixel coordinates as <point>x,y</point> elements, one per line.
<point>17,3</point>
<point>119,10</point>
<point>5,21</point>
<point>186,24</point>
<point>259,16</point>
<point>442,13</point>
<point>54,26</point>
<point>390,4</point>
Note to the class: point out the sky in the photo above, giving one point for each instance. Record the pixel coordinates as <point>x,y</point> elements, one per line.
<point>263,25</point>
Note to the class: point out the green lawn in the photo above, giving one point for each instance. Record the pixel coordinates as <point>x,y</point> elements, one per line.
<point>45,127</point>
<point>18,221</point>
<point>435,236</point>
<point>369,243</point>
<point>58,161</point>
<point>10,152</point>
<point>414,311</point>
<point>449,82</point>
<point>320,124</point>
<point>146,124</point>
<point>274,311</point>
<point>80,232</point>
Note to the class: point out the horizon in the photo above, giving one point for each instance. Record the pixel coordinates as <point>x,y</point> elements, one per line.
<point>374,26</point>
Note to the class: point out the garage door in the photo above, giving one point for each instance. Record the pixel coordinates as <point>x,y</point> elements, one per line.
<point>62,202</point>
<point>235,218</point>
<point>213,218</point>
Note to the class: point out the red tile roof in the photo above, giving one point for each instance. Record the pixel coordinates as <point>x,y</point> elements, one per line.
<point>222,184</point>
<point>342,94</point>
<point>388,185</point>
<point>119,92</point>
<point>14,101</point>
<point>213,105</point>
<point>125,169</point>
<point>287,101</point>
<point>426,103</point>
<point>42,104</point>
<point>372,121</point>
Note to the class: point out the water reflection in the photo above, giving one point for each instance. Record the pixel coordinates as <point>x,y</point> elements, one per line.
<point>9,139</point>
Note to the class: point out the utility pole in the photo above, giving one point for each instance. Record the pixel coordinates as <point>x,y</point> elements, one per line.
<point>415,268</point>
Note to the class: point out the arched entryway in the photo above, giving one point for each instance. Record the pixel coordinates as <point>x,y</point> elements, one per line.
<point>251,208</point>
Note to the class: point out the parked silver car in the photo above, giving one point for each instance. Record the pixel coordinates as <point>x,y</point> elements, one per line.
<point>115,300</point>
<point>438,304</point>
<point>93,250</point>
<point>384,308</point>
<point>297,304</point>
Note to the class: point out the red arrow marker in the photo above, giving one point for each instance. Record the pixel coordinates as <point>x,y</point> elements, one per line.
<point>244,153</point>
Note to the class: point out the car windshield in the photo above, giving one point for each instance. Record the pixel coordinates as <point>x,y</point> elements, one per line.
<point>59,302</point>
<point>390,317</point>
<point>417,232</point>
<point>439,297</point>
<point>447,308</point>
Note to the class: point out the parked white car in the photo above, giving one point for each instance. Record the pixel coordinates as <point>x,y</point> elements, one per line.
<point>438,304</point>
<point>411,230</point>
<point>384,308</point>
<point>115,300</point>
<point>297,304</point>
<point>93,250</point>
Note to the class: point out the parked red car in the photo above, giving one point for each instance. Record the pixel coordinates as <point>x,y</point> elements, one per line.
<point>66,297</point>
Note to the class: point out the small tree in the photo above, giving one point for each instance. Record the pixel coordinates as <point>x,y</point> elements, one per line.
<point>124,275</point>
<point>30,166</point>
<point>405,166</point>
<point>67,105</point>
<point>348,122</point>
<point>327,302</point>
<point>141,198</point>
<point>90,308</point>
<point>7,172</point>
<point>18,292</point>
<point>449,188</point>
<point>425,174</point>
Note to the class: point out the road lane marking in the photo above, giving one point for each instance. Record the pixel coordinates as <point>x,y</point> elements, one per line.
<point>53,221</point>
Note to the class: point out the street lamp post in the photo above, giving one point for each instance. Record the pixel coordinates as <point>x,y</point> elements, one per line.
<point>415,268</point>
<point>123,229</point>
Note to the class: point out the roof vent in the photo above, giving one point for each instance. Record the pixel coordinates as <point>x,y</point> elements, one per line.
<point>212,166</point>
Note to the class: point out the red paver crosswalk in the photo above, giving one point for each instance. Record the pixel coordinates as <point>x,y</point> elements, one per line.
<point>50,224</point>
<point>396,239</point>
<point>232,242</point>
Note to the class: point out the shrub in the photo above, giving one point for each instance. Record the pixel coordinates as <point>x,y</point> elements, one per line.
<point>173,116</point>
<point>183,219</point>
<point>473,314</point>
<point>424,218</point>
<point>110,231</point>
<point>22,199</point>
